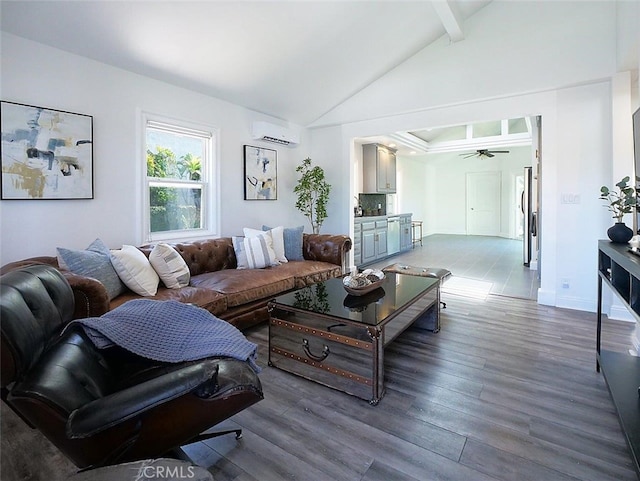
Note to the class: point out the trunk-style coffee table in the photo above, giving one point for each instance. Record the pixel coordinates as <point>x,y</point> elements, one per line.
<point>323,334</point>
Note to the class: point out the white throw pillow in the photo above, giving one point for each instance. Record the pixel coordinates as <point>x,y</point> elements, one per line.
<point>170,266</point>
<point>277,236</point>
<point>135,271</point>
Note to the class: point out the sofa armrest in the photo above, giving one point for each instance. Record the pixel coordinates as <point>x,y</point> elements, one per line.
<point>326,248</point>
<point>90,295</point>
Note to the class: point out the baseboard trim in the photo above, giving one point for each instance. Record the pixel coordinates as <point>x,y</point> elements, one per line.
<point>576,303</point>
<point>546,298</point>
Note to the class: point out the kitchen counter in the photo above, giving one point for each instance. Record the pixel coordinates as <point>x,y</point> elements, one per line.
<point>369,218</point>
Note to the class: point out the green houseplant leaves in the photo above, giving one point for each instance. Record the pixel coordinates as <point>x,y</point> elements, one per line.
<point>620,202</point>
<point>313,193</point>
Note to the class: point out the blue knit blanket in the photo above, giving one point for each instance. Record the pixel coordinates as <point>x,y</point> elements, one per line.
<point>168,331</point>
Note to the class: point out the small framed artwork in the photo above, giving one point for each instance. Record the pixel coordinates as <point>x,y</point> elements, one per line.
<point>45,153</point>
<point>260,173</point>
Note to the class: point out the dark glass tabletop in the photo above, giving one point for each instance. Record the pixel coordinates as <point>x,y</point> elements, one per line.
<point>330,298</point>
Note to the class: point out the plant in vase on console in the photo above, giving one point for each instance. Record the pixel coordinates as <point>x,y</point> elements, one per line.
<point>619,202</point>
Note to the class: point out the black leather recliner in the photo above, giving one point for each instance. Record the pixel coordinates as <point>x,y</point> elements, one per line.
<point>102,407</point>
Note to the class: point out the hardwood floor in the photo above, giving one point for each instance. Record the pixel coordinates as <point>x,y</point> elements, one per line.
<point>507,390</point>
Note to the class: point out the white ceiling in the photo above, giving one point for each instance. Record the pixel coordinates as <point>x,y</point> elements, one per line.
<point>294,60</point>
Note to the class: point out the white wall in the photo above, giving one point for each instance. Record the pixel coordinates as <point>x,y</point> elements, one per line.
<point>339,175</point>
<point>584,159</point>
<point>444,187</point>
<point>413,189</point>
<point>39,75</point>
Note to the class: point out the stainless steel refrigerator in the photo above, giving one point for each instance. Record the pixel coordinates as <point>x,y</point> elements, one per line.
<point>530,227</point>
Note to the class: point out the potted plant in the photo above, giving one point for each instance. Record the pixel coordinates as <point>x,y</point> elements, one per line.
<point>620,202</point>
<point>313,194</point>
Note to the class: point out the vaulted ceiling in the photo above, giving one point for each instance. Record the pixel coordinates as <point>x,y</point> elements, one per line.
<point>294,60</point>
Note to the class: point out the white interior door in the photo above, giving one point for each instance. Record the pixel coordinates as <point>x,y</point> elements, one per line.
<point>483,203</point>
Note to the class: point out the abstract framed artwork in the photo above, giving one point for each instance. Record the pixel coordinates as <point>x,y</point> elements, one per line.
<point>260,173</point>
<point>45,153</point>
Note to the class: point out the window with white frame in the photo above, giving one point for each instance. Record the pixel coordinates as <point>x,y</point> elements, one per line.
<point>179,180</point>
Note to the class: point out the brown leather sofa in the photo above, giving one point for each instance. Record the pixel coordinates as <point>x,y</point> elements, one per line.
<point>238,296</point>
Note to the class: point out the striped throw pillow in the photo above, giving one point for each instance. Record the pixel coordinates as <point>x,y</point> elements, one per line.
<point>254,252</point>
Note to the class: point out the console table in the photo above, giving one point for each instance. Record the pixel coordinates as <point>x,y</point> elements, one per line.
<point>620,269</point>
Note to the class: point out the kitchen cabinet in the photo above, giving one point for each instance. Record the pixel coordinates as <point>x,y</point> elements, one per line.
<point>371,238</point>
<point>378,169</point>
<point>374,240</point>
<point>405,232</point>
<point>357,244</point>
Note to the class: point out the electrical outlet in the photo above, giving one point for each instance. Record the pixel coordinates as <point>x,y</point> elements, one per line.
<point>565,283</point>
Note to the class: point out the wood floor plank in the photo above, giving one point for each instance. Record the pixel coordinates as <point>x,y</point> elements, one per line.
<point>395,422</point>
<point>381,472</point>
<point>505,466</point>
<point>392,451</point>
<point>319,441</point>
<point>262,459</point>
<point>589,420</point>
<point>461,403</point>
<point>578,462</point>
<point>597,447</point>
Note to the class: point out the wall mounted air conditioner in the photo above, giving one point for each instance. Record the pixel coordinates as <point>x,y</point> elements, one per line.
<point>275,133</point>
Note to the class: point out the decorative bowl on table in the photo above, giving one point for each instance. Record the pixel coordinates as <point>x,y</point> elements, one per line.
<point>364,282</point>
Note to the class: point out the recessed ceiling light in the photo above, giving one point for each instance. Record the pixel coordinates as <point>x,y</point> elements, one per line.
<point>413,152</point>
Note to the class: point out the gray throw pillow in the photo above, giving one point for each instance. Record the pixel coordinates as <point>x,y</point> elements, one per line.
<point>93,262</point>
<point>292,242</point>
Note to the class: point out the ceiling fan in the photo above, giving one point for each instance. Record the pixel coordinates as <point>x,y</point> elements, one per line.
<point>484,153</point>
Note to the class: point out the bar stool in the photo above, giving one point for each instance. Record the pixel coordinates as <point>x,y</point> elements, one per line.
<point>416,228</point>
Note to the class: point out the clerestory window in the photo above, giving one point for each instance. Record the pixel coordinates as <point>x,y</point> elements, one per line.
<point>179,182</point>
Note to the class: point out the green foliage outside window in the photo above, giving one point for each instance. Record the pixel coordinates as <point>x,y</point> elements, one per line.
<point>174,208</point>
<point>189,167</point>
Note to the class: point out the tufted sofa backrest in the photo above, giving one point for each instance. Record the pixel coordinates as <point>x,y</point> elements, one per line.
<point>208,255</point>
